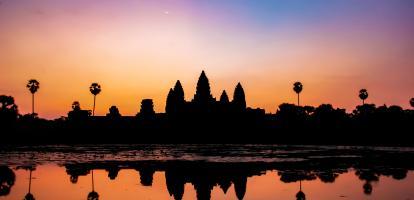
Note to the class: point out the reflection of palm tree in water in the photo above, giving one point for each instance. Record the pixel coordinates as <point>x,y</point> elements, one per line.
<point>7,179</point>
<point>300,195</point>
<point>367,188</point>
<point>29,195</point>
<point>93,195</point>
<point>368,176</point>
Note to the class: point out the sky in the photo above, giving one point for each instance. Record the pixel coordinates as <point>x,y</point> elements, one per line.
<point>137,49</point>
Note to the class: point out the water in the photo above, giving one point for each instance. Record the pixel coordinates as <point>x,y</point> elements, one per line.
<point>250,172</point>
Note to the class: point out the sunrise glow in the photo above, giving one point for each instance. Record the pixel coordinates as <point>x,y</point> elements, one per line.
<point>138,49</point>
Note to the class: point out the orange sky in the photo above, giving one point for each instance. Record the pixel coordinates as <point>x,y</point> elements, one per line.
<point>138,49</point>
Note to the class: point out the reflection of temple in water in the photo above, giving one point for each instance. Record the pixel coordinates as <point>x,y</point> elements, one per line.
<point>204,181</point>
<point>205,176</point>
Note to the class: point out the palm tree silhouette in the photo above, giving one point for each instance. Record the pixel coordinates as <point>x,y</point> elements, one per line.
<point>93,195</point>
<point>298,87</point>
<point>33,86</point>
<point>29,196</point>
<point>95,89</point>
<point>412,102</point>
<point>363,94</point>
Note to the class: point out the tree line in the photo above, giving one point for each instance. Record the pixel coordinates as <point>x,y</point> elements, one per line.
<point>207,112</point>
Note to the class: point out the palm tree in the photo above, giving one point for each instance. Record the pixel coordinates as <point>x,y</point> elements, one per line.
<point>363,94</point>
<point>93,195</point>
<point>95,89</point>
<point>33,86</point>
<point>412,102</point>
<point>298,87</point>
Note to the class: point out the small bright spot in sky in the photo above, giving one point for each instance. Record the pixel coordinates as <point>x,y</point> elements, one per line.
<point>166,12</point>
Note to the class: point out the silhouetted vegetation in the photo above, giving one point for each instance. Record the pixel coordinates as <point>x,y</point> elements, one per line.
<point>298,87</point>
<point>8,111</point>
<point>212,119</point>
<point>363,95</point>
<point>33,85</point>
<point>95,89</point>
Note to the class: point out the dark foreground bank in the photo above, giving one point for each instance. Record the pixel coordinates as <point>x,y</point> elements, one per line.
<point>292,124</point>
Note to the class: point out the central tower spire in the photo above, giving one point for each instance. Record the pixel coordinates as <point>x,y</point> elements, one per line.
<point>203,94</point>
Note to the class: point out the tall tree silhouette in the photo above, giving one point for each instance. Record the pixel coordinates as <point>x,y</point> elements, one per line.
<point>239,99</point>
<point>93,195</point>
<point>33,86</point>
<point>95,89</point>
<point>203,94</point>
<point>298,87</point>
<point>412,102</point>
<point>224,99</point>
<point>363,94</point>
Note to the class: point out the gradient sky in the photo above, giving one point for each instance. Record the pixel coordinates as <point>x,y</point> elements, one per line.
<point>138,49</point>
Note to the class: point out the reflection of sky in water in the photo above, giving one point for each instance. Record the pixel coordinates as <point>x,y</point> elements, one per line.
<point>254,172</point>
<point>52,182</point>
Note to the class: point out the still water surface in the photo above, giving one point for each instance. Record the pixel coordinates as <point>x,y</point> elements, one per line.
<point>250,172</point>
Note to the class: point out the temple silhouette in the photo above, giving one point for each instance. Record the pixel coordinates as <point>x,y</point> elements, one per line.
<point>205,118</point>
<point>203,101</point>
<point>206,111</point>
